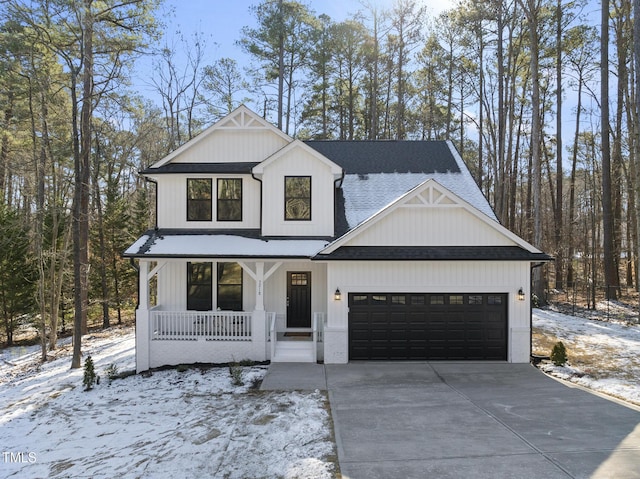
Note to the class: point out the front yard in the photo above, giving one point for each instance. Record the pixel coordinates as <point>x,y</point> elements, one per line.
<point>185,422</point>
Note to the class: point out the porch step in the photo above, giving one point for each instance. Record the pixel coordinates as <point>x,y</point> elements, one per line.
<point>293,352</point>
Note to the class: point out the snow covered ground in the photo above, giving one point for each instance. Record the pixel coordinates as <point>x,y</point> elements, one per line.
<point>194,423</point>
<point>603,350</point>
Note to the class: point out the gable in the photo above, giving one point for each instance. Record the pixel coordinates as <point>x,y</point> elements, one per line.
<point>429,215</point>
<point>297,158</point>
<point>240,137</point>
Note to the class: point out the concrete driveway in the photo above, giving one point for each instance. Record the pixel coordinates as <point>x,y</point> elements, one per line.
<point>475,420</point>
<point>464,420</point>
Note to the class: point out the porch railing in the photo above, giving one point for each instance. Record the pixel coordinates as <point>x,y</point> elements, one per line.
<point>194,325</point>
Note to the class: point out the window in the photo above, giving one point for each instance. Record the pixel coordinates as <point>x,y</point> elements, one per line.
<point>456,299</point>
<point>494,299</point>
<point>417,300</point>
<point>398,299</point>
<point>199,286</point>
<point>299,279</point>
<point>199,199</point>
<point>359,299</point>
<point>436,299</point>
<point>229,199</point>
<point>229,286</point>
<point>297,198</point>
<point>475,299</point>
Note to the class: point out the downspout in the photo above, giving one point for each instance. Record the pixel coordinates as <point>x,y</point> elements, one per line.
<point>537,265</point>
<point>132,261</point>
<point>155,220</point>
<point>261,202</point>
<point>337,184</point>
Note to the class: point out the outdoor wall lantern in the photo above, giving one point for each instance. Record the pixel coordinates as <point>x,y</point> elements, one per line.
<point>337,295</point>
<point>521,294</point>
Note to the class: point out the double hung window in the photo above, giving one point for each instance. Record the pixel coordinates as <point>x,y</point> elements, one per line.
<point>199,199</point>
<point>229,199</point>
<point>297,198</point>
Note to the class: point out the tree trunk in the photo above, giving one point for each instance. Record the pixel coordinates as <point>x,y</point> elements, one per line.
<point>280,63</point>
<point>531,12</point>
<point>82,192</point>
<point>636,151</point>
<point>558,226</point>
<point>610,273</point>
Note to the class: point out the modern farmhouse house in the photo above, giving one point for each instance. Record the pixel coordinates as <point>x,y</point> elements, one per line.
<point>270,248</point>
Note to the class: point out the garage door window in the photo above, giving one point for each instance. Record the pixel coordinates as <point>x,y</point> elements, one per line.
<point>475,299</point>
<point>359,299</point>
<point>417,300</point>
<point>378,298</point>
<point>398,299</point>
<point>436,299</point>
<point>494,299</point>
<point>456,299</point>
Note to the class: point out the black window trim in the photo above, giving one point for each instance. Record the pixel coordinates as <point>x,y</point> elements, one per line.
<point>217,270</point>
<point>285,198</point>
<point>210,200</point>
<point>218,180</point>
<point>190,283</point>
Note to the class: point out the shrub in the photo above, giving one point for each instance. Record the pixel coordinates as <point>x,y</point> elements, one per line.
<point>559,354</point>
<point>235,370</point>
<point>89,374</point>
<point>111,371</point>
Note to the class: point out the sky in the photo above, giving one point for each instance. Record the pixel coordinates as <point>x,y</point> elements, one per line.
<point>221,21</point>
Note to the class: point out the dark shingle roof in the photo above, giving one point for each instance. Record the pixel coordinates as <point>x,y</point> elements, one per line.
<point>388,156</point>
<point>434,253</point>
<point>191,168</point>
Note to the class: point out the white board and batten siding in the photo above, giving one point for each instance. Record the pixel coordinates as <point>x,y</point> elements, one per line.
<point>172,202</point>
<point>429,277</point>
<point>433,226</point>
<point>231,145</point>
<point>298,162</point>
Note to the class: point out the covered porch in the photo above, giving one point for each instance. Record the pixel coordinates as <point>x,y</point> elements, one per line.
<point>281,311</point>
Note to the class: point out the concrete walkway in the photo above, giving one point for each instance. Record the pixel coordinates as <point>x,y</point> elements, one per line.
<point>468,420</point>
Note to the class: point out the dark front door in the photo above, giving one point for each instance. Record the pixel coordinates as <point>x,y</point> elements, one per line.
<point>298,299</point>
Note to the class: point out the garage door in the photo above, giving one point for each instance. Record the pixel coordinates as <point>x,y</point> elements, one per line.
<point>395,326</point>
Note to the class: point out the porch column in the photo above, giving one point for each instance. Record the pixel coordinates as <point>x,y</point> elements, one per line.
<point>259,317</point>
<point>259,286</point>
<point>142,320</point>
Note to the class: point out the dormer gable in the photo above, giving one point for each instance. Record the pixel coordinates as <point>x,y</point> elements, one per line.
<point>298,192</point>
<point>300,150</point>
<point>240,137</point>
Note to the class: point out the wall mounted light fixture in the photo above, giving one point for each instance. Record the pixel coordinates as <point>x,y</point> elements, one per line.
<point>337,295</point>
<point>521,294</point>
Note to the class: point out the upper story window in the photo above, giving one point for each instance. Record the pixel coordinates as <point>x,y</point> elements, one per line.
<point>297,198</point>
<point>199,199</point>
<point>229,199</point>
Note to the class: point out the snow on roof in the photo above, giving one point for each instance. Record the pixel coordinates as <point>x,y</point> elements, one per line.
<point>226,245</point>
<point>365,195</point>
